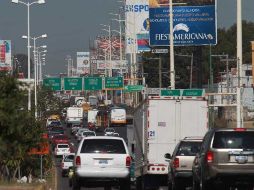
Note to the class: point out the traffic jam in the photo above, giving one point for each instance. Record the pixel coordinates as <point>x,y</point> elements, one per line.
<point>159,147</point>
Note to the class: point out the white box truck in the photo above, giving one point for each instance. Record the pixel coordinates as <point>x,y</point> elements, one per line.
<point>74,115</point>
<point>158,125</point>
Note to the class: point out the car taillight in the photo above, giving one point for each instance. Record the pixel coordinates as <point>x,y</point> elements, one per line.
<point>128,161</point>
<point>176,163</point>
<point>240,129</point>
<point>209,156</point>
<point>78,161</point>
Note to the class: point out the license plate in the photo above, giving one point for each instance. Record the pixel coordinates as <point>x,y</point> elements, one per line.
<point>241,159</point>
<point>103,162</point>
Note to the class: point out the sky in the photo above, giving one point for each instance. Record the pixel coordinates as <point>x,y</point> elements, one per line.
<point>70,24</point>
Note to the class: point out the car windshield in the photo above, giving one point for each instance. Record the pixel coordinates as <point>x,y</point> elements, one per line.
<point>109,146</point>
<point>188,148</point>
<point>234,140</point>
<point>69,158</point>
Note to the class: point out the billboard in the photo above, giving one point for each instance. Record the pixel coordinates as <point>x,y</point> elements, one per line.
<point>5,55</point>
<point>116,64</point>
<point>137,21</point>
<point>143,42</point>
<point>83,63</point>
<point>194,24</point>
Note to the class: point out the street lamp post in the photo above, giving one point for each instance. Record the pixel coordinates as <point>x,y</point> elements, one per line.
<point>119,20</point>
<point>35,68</point>
<point>28,42</point>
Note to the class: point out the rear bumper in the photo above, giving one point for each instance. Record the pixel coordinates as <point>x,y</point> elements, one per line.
<point>102,173</point>
<point>231,173</point>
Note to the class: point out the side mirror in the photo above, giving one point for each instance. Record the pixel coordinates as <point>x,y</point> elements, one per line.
<point>167,157</point>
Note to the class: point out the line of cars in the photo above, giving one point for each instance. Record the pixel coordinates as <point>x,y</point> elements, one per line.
<point>223,159</point>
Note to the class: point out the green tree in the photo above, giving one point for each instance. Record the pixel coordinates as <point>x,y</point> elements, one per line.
<point>19,131</point>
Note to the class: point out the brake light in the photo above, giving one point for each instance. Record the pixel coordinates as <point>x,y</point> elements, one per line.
<point>78,161</point>
<point>128,161</point>
<point>209,156</point>
<point>176,163</point>
<point>240,129</point>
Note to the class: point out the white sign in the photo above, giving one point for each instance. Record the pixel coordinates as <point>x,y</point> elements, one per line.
<point>159,50</point>
<point>137,21</point>
<point>83,63</point>
<point>116,64</point>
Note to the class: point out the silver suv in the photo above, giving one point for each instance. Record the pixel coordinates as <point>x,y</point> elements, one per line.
<point>180,163</point>
<point>102,161</point>
<point>225,160</point>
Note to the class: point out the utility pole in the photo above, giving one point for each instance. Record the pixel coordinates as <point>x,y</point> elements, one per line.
<point>239,60</point>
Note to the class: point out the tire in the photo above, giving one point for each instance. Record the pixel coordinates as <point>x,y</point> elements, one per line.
<point>125,184</point>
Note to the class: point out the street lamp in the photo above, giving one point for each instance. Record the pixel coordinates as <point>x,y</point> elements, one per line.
<point>28,41</point>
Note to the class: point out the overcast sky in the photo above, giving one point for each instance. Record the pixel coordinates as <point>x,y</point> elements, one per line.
<point>70,23</point>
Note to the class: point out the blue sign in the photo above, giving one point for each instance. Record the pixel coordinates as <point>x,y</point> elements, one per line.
<point>193,25</point>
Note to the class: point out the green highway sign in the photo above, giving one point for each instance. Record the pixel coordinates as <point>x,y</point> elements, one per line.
<point>53,83</point>
<point>133,88</point>
<point>170,92</point>
<point>193,92</point>
<point>73,83</point>
<point>93,83</point>
<point>113,82</point>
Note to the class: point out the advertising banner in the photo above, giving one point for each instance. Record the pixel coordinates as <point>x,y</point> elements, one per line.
<point>137,21</point>
<point>5,55</point>
<point>193,25</point>
<point>83,63</point>
<point>116,64</point>
<point>143,42</point>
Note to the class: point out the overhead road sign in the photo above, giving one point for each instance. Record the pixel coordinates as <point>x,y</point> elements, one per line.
<point>170,92</point>
<point>193,92</point>
<point>133,88</point>
<point>93,83</point>
<point>73,83</point>
<point>113,83</point>
<point>52,83</point>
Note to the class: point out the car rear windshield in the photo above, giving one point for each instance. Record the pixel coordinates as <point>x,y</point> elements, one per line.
<point>87,134</point>
<point>69,158</point>
<point>188,148</point>
<point>109,146</point>
<point>63,146</point>
<point>234,140</point>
